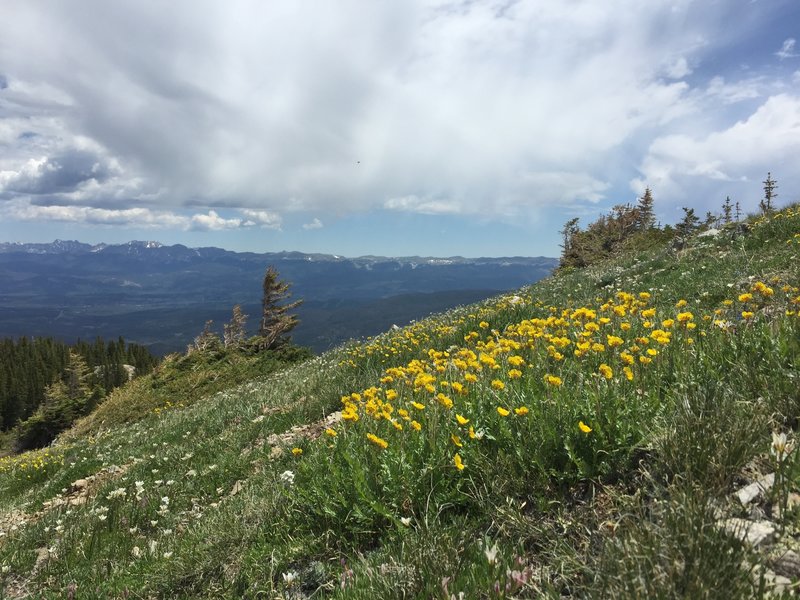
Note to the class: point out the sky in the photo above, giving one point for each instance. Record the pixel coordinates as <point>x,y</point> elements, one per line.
<point>421,127</point>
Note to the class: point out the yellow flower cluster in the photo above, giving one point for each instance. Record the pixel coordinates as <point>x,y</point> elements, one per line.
<point>31,463</point>
<point>487,373</point>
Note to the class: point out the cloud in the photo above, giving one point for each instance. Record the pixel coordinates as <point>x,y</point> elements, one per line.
<point>265,219</point>
<point>131,217</point>
<point>213,222</point>
<point>678,69</point>
<point>425,206</point>
<point>458,107</point>
<point>315,224</point>
<point>787,49</point>
<point>734,160</point>
<point>56,174</point>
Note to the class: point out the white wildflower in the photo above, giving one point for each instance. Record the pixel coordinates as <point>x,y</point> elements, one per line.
<point>491,553</point>
<point>136,551</point>
<point>287,477</point>
<point>405,521</point>
<point>781,446</point>
<point>289,577</point>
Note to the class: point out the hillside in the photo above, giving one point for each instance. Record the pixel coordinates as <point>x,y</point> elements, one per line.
<point>625,430</point>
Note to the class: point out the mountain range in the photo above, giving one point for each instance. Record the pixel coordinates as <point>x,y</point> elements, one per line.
<point>161,295</point>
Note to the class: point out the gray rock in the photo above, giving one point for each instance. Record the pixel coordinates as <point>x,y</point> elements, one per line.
<point>750,492</point>
<point>787,564</point>
<point>755,533</point>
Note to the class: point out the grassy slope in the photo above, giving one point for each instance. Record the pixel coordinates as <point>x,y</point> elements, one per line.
<point>542,507</point>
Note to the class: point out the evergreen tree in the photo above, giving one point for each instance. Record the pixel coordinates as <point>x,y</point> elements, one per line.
<point>727,210</point>
<point>688,224</point>
<point>568,233</point>
<point>646,217</point>
<point>276,321</point>
<point>770,185</point>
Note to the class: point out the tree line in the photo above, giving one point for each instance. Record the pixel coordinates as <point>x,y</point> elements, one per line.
<point>32,371</point>
<point>633,227</point>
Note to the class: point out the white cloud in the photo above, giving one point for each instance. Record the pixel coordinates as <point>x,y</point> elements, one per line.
<point>147,218</point>
<point>731,93</point>
<point>787,49</point>
<point>264,218</point>
<point>131,217</point>
<point>700,168</point>
<point>678,69</point>
<point>213,222</point>
<point>423,206</point>
<point>315,224</point>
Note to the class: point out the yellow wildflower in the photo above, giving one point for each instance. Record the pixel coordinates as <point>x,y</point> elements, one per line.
<point>458,463</point>
<point>553,380</point>
<point>297,451</point>
<point>502,411</point>
<point>584,427</point>
<point>606,371</point>
<point>521,411</point>
<point>461,420</point>
<point>381,443</point>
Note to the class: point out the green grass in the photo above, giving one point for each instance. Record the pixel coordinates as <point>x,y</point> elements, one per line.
<point>625,507</point>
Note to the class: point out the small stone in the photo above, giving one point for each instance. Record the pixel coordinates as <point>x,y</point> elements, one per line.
<point>750,492</point>
<point>776,584</point>
<point>79,485</point>
<point>755,533</point>
<point>787,564</point>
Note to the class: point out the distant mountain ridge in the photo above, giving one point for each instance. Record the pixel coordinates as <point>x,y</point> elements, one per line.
<point>177,251</point>
<point>160,295</point>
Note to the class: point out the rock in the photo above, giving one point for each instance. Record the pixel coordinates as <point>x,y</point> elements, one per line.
<point>776,584</point>
<point>787,564</point>
<point>709,233</point>
<point>755,533</point>
<point>750,492</point>
<point>79,485</point>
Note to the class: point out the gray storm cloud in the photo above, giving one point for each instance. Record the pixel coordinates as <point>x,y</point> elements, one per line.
<point>434,107</point>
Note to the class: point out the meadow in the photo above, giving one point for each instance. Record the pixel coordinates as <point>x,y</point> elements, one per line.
<point>584,437</point>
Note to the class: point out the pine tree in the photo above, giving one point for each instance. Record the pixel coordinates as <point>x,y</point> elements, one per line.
<point>727,210</point>
<point>738,212</point>
<point>276,322</point>
<point>688,224</point>
<point>568,233</point>
<point>770,185</point>
<point>646,216</point>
